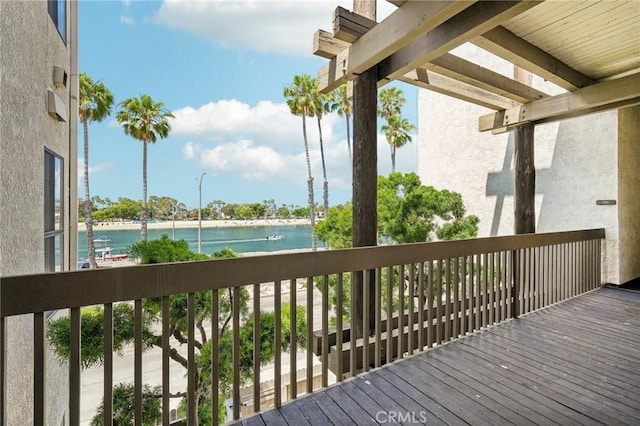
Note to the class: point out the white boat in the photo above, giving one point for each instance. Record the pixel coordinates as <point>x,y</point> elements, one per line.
<point>106,254</point>
<point>102,239</point>
<point>274,237</point>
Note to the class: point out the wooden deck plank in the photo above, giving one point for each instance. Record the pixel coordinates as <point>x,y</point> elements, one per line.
<point>594,357</point>
<point>393,400</point>
<point>331,409</point>
<point>570,370</point>
<point>527,415</point>
<point>421,398</point>
<point>521,387</point>
<point>496,405</point>
<point>467,409</point>
<point>573,363</point>
<point>562,390</point>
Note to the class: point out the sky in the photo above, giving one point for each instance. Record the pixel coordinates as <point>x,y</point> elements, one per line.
<point>220,67</point>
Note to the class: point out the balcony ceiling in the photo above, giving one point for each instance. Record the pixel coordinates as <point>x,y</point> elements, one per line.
<point>600,39</point>
<point>580,45</point>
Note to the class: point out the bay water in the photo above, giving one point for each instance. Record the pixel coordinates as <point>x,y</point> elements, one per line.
<point>241,239</point>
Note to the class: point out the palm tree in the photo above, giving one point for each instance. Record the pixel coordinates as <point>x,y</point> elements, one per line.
<point>95,104</point>
<point>342,105</point>
<point>322,105</point>
<point>390,102</point>
<point>397,133</point>
<point>145,120</point>
<point>300,101</point>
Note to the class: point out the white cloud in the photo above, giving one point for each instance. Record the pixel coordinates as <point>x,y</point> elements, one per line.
<point>126,3</point>
<point>263,25</point>
<point>127,20</point>
<point>266,123</point>
<point>98,168</point>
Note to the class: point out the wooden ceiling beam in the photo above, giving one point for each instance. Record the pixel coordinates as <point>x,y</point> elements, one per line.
<point>466,25</point>
<point>448,86</point>
<point>601,96</point>
<point>504,43</point>
<point>398,30</point>
<point>465,71</point>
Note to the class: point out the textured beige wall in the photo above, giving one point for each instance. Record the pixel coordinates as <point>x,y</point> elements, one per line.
<point>30,46</point>
<point>576,164</point>
<point>629,192</point>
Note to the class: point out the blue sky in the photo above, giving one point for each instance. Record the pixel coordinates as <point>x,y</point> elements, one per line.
<point>220,67</point>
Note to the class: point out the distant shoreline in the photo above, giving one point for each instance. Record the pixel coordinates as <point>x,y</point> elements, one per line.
<point>193,224</point>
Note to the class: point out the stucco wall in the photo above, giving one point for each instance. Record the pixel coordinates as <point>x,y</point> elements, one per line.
<point>576,164</point>
<point>30,47</point>
<point>628,192</point>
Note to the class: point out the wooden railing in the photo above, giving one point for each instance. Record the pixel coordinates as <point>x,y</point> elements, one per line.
<point>424,295</point>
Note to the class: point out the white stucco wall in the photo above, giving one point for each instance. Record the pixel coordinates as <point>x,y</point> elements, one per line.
<point>30,46</point>
<point>576,164</point>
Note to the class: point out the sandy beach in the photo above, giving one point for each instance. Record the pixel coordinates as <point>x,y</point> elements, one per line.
<point>181,224</point>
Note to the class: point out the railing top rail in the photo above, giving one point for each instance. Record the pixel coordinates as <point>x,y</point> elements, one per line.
<point>44,292</point>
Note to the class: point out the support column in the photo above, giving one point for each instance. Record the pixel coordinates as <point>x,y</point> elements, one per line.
<point>525,180</point>
<point>365,173</point>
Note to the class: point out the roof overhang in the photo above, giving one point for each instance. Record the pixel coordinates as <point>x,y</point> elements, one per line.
<point>591,49</point>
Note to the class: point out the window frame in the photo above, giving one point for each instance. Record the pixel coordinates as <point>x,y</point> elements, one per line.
<point>57,10</point>
<point>53,206</point>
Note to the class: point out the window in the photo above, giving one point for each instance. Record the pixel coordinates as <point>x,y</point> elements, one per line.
<point>58,11</point>
<point>53,213</point>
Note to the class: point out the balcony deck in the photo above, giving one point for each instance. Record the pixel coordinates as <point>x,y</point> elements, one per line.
<point>575,362</point>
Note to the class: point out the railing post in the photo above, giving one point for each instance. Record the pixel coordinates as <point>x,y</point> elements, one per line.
<point>515,292</point>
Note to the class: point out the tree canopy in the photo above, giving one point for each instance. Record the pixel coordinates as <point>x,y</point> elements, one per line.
<point>408,212</point>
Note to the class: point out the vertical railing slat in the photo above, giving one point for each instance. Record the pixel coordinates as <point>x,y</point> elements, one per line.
<point>378,319</point>
<point>410,321</point>
<point>421,306</point>
<point>309,366</point>
<point>39,375</point>
<point>166,354</point>
<point>277,341</point>
<point>325,331</point>
<point>293,321</point>
<point>389,351</point>
<point>438,295</point>
<point>463,296</point>
<point>339,325</point>
<point>257,333</point>
<point>352,327</point>
<point>366,302</point>
<point>485,289</point>
<point>192,403</point>
<point>447,306</point>
<point>236,351</point>
<point>400,312</point>
<point>108,364</point>
<point>137,363</point>
<point>74,368</point>
<point>430,330</point>
<point>491,289</point>
<point>455,288</point>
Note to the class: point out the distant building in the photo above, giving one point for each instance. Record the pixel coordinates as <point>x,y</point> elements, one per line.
<point>38,214</point>
<point>587,169</point>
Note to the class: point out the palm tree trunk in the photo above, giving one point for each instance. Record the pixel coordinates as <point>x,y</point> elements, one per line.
<point>143,215</point>
<point>325,184</point>
<point>393,158</point>
<point>312,204</point>
<point>88,218</point>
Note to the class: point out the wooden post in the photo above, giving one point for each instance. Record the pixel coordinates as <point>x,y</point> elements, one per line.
<point>365,172</point>
<point>525,190</point>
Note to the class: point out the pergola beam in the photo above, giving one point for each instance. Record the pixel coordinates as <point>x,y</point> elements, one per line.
<point>504,43</point>
<point>399,29</point>
<point>597,97</point>
<point>466,25</point>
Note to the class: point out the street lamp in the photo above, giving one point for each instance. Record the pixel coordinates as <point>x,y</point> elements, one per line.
<point>200,214</point>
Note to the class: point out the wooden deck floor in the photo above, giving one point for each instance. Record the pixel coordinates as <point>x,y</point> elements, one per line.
<point>574,363</point>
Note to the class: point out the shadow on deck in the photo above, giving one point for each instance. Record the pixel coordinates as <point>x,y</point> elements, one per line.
<point>576,362</point>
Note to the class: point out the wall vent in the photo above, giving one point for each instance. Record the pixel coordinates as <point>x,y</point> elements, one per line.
<point>57,108</point>
<point>59,77</point>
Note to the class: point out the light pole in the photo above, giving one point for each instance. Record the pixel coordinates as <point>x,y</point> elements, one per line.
<point>200,214</point>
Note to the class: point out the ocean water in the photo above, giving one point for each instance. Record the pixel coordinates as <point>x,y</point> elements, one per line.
<point>241,239</point>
